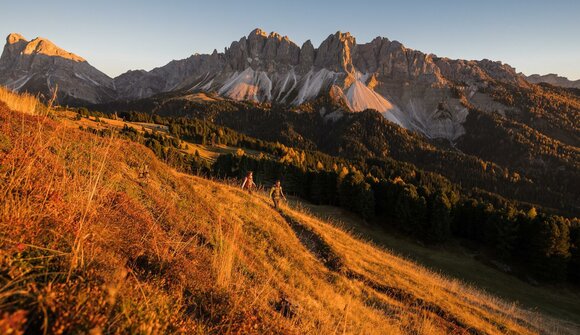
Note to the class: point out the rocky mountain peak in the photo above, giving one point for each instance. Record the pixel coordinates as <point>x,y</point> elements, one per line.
<point>261,50</point>
<point>307,44</point>
<point>346,37</point>
<point>307,55</point>
<point>335,53</point>
<point>405,85</point>
<point>258,32</point>
<point>45,47</point>
<point>15,43</point>
<point>38,65</point>
<point>14,38</point>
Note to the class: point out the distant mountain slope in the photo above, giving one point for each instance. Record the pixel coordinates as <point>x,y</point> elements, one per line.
<point>39,66</point>
<point>553,79</point>
<point>172,253</point>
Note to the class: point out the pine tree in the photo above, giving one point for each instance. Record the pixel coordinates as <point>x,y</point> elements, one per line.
<point>410,210</point>
<point>574,263</point>
<point>506,234</point>
<point>440,218</point>
<point>549,247</point>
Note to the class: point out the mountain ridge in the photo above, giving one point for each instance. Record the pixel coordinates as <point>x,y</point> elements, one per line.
<point>553,79</point>
<point>405,85</point>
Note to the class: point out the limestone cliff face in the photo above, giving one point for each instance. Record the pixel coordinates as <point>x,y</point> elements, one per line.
<point>335,53</point>
<point>262,51</point>
<point>39,66</point>
<point>390,59</point>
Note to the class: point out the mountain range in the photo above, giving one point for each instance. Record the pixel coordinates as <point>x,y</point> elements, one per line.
<point>418,91</point>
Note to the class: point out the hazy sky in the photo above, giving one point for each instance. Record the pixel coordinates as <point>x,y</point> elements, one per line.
<point>115,36</point>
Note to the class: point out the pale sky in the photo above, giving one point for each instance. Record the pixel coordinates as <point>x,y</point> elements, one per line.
<point>116,36</point>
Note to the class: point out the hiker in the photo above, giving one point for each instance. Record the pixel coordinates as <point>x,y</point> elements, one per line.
<point>144,173</point>
<point>248,183</point>
<point>276,193</point>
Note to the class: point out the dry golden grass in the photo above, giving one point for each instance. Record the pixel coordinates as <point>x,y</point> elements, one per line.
<point>212,152</point>
<point>200,96</point>
<point>23,102</point>
<point>88,246</point>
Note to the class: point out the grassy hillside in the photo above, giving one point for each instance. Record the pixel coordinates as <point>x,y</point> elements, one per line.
<point>562,301</point>
<point>90,246</point>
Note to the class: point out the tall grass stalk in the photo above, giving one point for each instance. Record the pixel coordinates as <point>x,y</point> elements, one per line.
<point>225,252</point>
<point>77,254</point>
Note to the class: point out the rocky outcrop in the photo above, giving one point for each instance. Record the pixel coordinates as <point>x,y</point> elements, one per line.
<point>307,55</point>
<point>39,66</point>
<point>335,53</point>
<point>391,60</point>
<point>478,72</point>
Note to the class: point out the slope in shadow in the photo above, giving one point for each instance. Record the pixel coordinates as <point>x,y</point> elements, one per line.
<point>315,244</point>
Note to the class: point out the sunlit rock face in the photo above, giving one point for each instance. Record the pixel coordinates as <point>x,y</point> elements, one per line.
<point>39,66</point>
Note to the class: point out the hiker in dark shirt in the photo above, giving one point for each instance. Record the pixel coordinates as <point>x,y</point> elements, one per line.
<point>276,194</point>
